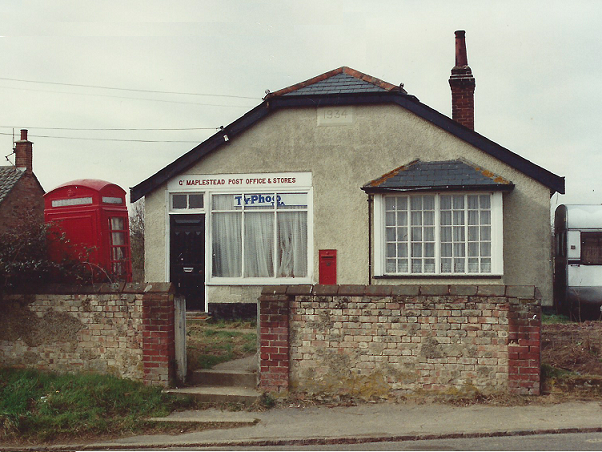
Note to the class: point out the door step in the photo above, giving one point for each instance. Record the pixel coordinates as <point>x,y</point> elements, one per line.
<point>238,378</point>
<point>219,394</point>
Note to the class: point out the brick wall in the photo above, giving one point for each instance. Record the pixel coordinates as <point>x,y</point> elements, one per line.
<point>382,340</point>
<point>23,205</point>
<point>125,330</point>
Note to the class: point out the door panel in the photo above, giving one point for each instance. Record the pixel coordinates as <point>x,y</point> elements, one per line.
<point>187,258</point>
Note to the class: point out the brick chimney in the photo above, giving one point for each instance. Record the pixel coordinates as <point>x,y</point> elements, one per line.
<point>462,85</point>
<point>23,153</point>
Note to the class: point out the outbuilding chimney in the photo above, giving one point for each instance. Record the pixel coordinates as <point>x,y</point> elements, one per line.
<point>462,85</point>
<point>24,153</point>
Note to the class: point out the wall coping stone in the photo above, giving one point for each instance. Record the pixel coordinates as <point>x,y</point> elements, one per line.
<point>325,290</point>
<point>352,290</point>
<point>98,289</point>
<point>526,292</point>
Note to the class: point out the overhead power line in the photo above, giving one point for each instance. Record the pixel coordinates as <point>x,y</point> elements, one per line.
<point>130,129</point>
<point>127,89</point>
<point>108,139</point>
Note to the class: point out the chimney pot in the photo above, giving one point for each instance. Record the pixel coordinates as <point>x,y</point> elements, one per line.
<point>461,57</point>
<point>24,134</point>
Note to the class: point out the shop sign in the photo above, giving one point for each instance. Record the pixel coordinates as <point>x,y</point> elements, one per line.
<point>240,181</point>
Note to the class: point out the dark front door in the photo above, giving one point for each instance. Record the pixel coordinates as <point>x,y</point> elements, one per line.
<point>187,258</point>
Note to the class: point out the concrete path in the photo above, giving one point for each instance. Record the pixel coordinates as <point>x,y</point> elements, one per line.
<point>377,422</point>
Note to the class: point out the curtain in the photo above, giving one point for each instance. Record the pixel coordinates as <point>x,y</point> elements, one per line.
<point>292,244</point>
<point>227,244</point>
<point>259,244</point>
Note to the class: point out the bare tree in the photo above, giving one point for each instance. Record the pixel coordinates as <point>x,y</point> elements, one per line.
<point>137,240</point>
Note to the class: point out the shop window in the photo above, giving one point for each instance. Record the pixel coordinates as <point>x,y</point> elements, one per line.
<point>591,248</point>
<point>259,235</point>
<point>184,201</point>
<point>439,234</point>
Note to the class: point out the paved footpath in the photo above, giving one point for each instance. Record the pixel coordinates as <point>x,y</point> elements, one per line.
<point>368,423</point>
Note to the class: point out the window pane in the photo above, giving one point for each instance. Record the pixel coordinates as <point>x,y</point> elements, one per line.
<point>416,218</point>
<point>446,218</point>
<point>473,202</point>
<point>402,266</point>
<point>227,244</point>
<point>390,265</point>
<point>291,200</point>
<point>446,234</point>
<point>446,250</point>
<point>416,250</point>
<point>178,201</point>
<point>390,219</point>
<point>195,201</point>
<point>292,244</point>
<point>227,202</point>
<point>446,202</point>
<point>416,202</point>
<point>486,265</point>
<point>429,234</point>
<point>429,218</point>
<point>416,266</point>
<point>390,234</point>
<point>402,218</point>
<point>402,234</point>
<point>416,234</point>
<point>485,217</point>
<point>459,265</point>
<point>390,203</point>
<point>118,238</point>
<point>485,232</point>
<point>485,249</point>
<point>402,250</point>
<point>459,217</point>
<point>429,249</point>
<point>473,217</point>
<point>117,223</point>
<point>259,245</point>
<point>446,265</point>
<point>485,201</point>
<point>473,249</point>
<point>473,265</point>
<point>428,202</point>
<point>429,265</point>
<point>458,201</point>
<point>391,249</point>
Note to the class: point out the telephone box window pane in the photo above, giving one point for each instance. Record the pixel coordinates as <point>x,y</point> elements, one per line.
<point>117,224</point>
<point>118,238</point>
<point>179,201</point>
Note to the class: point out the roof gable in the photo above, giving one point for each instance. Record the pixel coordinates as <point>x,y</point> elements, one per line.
<point>9,176</point>
<point>343,80</point>
<point>330,91</point>
<point>448,175</point>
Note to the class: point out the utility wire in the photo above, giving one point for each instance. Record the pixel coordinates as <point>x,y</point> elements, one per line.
<point>127,89</point>
<point>112,129</point>
<point>109,139</point>
<point>129,98</point>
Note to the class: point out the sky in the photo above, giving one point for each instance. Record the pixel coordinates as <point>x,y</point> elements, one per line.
<point>116,90</point>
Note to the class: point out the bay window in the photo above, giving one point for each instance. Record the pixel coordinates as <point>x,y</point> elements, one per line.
<point>438,234</point>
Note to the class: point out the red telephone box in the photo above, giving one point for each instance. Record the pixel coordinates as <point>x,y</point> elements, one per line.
<point>93,215</point>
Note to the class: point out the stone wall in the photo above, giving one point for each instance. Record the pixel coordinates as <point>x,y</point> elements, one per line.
<point>126,330</point>
<point>381,340</point>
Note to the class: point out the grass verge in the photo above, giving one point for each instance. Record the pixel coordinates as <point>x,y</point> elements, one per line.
<point>210,343</point>
<point>41,406</point>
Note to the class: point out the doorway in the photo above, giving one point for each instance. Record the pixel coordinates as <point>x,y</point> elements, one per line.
<point>187,258</point>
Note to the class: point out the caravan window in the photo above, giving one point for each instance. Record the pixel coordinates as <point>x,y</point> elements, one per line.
<point>591,248</point>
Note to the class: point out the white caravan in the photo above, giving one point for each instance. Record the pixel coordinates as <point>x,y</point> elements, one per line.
<point>578,259</point>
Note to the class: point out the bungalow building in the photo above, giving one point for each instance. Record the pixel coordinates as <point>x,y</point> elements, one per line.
<point>348,179</point>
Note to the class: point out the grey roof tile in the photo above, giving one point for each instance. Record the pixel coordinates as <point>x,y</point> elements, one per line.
<point>9,176</point>
<point>439,175</point>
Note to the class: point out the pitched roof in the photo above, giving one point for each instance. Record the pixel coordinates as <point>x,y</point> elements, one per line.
<point>343,80</point>
<point>449,175</point>
<point>344,86</point>
<point>9,176</point>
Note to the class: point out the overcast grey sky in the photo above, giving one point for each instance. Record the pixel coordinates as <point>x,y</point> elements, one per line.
<point>70,67</point>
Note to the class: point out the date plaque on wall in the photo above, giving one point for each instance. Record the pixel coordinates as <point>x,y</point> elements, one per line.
<point>335,116</point>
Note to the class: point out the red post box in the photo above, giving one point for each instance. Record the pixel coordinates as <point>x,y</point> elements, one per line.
<point>93,215</point>
<point>328,266</point>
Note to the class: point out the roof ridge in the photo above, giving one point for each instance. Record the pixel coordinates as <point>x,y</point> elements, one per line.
<point>341,70</point>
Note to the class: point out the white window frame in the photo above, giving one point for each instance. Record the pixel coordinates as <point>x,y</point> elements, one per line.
<point>497,261</point>
<point>273,280</point>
